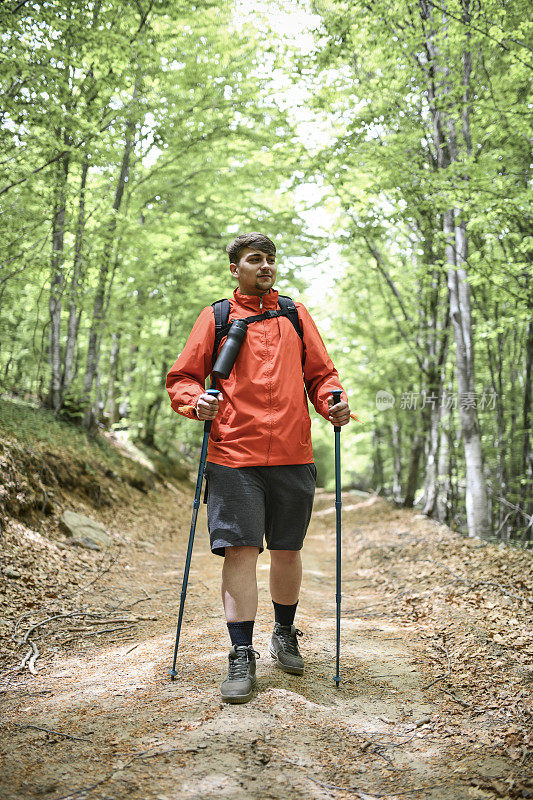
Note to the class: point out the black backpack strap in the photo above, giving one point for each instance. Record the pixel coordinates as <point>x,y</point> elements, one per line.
<point>290,311</point>
<point>221,310</point>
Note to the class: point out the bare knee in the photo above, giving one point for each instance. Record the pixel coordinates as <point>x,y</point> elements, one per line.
<point>285,556</point>
<point>241,553</point>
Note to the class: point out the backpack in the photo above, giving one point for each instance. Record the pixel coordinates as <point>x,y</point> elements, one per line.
<point>222,326</point>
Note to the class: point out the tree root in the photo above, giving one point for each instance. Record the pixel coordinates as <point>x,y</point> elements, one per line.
<point>33,654</point>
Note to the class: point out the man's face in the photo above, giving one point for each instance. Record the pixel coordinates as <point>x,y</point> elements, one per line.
<point>256,271</point>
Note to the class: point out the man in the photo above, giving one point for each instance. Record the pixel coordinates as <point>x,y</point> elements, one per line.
<point>260,472</point>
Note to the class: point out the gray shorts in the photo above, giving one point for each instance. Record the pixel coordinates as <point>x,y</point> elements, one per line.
<point>243,503</point>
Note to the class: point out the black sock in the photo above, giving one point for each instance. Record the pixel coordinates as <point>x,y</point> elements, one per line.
<point>284,614</point>
<point>241,633</point>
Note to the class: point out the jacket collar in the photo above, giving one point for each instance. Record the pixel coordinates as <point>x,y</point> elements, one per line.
<point>270,300</point>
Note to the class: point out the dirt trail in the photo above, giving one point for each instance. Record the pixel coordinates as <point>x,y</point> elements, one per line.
<point>381,733</point>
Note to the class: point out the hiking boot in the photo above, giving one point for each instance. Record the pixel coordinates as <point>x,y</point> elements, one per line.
<point>240,683</point>
<point>284,648</point>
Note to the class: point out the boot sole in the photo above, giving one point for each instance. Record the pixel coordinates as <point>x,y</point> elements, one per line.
<point>240,698</point>
<point>284,667</point>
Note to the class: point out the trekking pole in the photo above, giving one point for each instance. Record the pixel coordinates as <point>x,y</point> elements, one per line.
<point>338,504</point>
<point>195,506</point>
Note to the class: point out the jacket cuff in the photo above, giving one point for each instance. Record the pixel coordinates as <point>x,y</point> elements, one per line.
<point>187,409</point>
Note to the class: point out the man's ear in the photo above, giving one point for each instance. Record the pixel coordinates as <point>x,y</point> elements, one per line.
<point>233,268</point>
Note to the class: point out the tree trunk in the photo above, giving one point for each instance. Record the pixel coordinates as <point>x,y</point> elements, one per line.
<point>99,300</point>
<point>153,408</point>
<point>430,484</point>
<point>437,350</point>
<point>57,282</point>
<point>476,494</point>
<point>397,460</point>
<point>6,368</point>
<point>500,443</point>
<point>124,408</point>
<point>110,413</point>
<point>150,421</point>
<point>440,93</point>
<point>417,445</point>
<point>444,470</point>
<point>377,461</point>
<point>525,500</point>
<point>77,278</point>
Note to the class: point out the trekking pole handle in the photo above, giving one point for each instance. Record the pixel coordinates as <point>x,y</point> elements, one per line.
<point>209,422</point>
<point>336,394</point>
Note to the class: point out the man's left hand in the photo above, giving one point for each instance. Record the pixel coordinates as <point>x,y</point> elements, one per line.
<point>339,414</point>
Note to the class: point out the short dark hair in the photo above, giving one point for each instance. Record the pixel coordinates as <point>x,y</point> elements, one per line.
<point>255,240</point>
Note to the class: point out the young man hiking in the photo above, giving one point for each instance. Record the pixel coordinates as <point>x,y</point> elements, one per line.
<point>260,472</point>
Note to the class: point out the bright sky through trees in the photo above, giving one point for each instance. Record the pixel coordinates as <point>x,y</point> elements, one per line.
<point>289,26</point>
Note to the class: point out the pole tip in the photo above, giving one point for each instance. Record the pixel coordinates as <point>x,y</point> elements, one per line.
<point>337,681</point>
<point>173,674</point>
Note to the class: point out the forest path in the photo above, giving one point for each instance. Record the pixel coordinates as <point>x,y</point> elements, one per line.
<point>380,734</point>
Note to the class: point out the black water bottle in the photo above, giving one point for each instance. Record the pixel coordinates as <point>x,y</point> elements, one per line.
<point>230,349</point>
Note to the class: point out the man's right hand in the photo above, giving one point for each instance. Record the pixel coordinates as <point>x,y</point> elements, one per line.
<point>207,406</point>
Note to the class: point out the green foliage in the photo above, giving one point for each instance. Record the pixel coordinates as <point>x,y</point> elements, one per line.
<point>32,426</point>
<point>145,231</point>
<point>372,73</point>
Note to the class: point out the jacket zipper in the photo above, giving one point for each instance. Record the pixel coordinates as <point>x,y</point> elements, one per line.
<point>269,384</point>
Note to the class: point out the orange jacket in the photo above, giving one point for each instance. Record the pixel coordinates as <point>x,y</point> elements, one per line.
<point>263,417</point>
